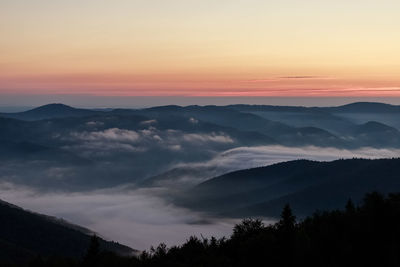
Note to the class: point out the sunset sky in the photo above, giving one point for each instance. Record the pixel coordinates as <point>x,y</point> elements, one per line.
<point>200,48</point>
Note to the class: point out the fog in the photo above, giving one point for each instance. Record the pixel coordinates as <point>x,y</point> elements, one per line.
<point>136,218</point>
<point>142,217</point>
<point>250,157</point>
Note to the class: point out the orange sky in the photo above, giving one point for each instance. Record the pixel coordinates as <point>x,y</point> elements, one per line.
<point>200,48</point>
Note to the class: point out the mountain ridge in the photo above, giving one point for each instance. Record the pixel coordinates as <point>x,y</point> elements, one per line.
<point>263,191</point>
<point>25,234</point>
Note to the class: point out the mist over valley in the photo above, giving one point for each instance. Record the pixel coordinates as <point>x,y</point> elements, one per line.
<point>142,176</point>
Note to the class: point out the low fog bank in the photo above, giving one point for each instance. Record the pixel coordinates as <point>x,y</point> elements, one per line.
<point>141,217</point>
<point>250,157</point>
<point>189,174</point>
<point>136,218</point>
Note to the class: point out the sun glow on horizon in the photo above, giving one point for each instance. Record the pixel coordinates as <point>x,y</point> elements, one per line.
<point>200,48</point>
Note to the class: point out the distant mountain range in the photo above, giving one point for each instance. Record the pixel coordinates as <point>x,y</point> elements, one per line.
<point>305,185</point>
<point>59,110</point>
<point>343,126</point>
<point>68,138</point>
<point>25,235</point>
<point>180,149</point>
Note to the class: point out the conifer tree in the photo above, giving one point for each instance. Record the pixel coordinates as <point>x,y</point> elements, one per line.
<point>94,247</point>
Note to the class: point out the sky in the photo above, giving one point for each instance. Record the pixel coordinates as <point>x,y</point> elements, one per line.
<point>53,49</point>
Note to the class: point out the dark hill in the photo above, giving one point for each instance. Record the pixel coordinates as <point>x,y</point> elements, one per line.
<point>357,107</point>
<point>373,127</point>
<point>24,235</point>
<point>376,134</point>
<point>50,111</point>
<point>228,116</point>
<point>306,185</point>
<point>365,107</point>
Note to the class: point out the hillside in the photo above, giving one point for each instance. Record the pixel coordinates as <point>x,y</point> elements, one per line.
<point>24,235</point>
<point>306,185</point>
<point>50,111</point>
<point>354,235</point>
<point>82,142</point>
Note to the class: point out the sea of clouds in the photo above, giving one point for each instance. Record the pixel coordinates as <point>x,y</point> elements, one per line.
<point>141,216</point>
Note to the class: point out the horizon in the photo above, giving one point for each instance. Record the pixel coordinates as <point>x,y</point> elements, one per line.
<point>16,108</point>
<point>12,103</point>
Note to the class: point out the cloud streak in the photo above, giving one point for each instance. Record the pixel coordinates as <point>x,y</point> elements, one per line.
<point>251,157</point>
<point>112,134</point>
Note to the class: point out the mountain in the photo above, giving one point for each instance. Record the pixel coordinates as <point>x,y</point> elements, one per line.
<point>79,143</point>
<point>365,107</point>
<point>50,111</point>
<point>129,142</point>
<point>357,107</point>
<point>376,134</point>
<point>252,124</point>
<point>24,235</point>
<point>183,177</point>
<point>306,185</point>
<point>375,127</point>
<point>299,117</point>
<point>223,116</point>
<point>227,116</point>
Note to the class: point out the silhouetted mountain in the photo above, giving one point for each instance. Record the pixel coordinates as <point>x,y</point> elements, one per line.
<point>255,124</point>
<point>365,107</point>
<point>299,117</point>
<point>129,138</point>
<point>50,111</point>
<point>24,235</point>
<point>182,177</point>
<point>44,131</point>
<point>229,117</point>
<point>368,107</point>
<point>377,134</point>
<point>306,185</point>
<point>374,127</point>
<point>335,119</point>
<point>222,116</point>
<point>69,143</point>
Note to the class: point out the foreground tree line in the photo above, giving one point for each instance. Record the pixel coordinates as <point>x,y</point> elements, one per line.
<point>364,235</point>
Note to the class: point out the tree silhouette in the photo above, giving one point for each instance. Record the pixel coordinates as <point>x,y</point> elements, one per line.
<point>350,208</point>
<point>247,228</point>
<point>94,248</point>
<point>366,235</point>
<point>286,236</point>
<point>288,220</point>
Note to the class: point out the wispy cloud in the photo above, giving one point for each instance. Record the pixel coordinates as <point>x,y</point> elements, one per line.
<point>282,78</point>
<point>204,138</point>
<point>250,157</point>
<point>112,134</point>
<point>304,77</point>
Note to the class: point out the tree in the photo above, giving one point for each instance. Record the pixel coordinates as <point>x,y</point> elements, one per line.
<point>160,251</point>
<point>94,247</point>
<point>247,227</point>
<point>286,231</point>
<point>288,220</point>
<point>373,202</point>
<point>350,208</point>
